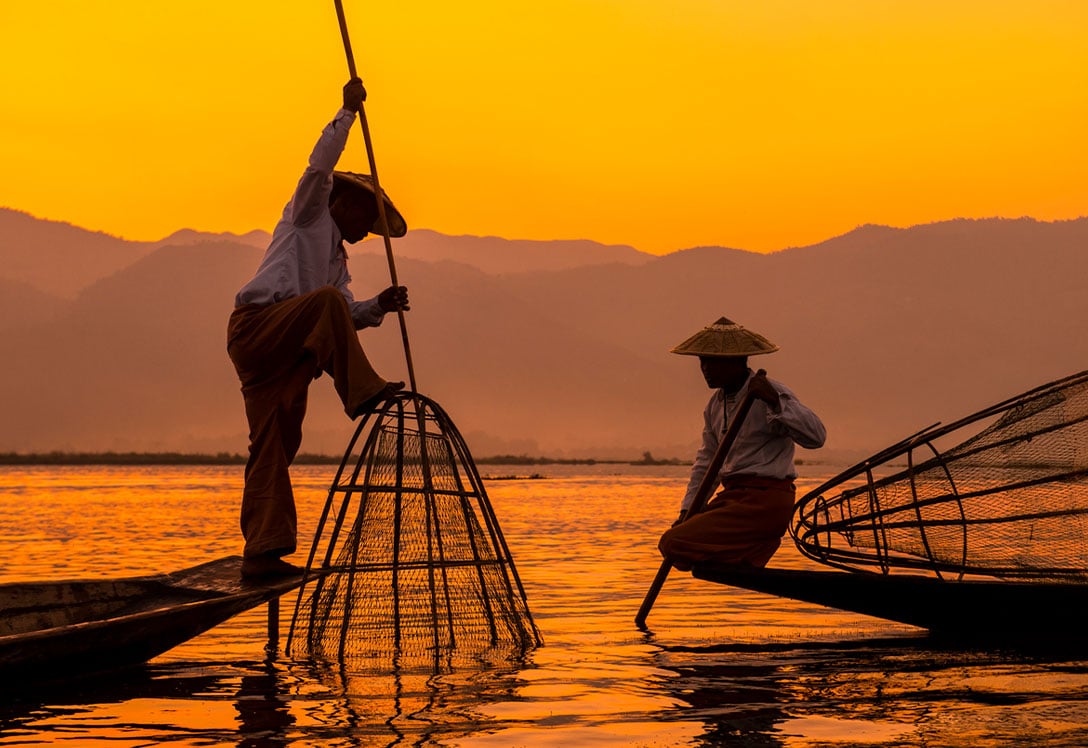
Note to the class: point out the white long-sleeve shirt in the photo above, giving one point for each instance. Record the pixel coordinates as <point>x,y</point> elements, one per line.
<point>306,252</point>
<point>764,445</point>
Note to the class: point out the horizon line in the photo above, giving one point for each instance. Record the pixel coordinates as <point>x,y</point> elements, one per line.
<point>858,227</point>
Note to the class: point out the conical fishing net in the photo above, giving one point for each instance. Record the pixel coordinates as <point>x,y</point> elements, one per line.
<point>1009,498</point>
<point>414,572</point>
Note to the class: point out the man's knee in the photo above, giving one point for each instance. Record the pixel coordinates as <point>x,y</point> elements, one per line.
<point>329,296</point>
<point>673,552</point>
<point>665,544</point>
<point>332,304</point>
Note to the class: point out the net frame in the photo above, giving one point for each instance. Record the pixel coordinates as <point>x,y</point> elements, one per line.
<point>454,595</point>
<point>949,510</point>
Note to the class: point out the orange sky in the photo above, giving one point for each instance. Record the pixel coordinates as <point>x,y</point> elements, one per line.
<point>662,125</point>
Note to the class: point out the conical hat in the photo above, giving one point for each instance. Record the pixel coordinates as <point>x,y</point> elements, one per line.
<point>725,338</point>
<point>397,225</point>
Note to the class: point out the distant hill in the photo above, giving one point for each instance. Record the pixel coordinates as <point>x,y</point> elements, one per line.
<point>883,331</point>
<point>58,258</point>
<point>497,256</point>
<point>257,239</point>
<point>23,305</point>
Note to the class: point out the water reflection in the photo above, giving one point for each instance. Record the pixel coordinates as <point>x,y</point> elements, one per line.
<point>263,709</point>
<point>723,666</point>
<point>892,693</point>
<point>267,704</point>
<point>402,706</point>
<point>32,715</point>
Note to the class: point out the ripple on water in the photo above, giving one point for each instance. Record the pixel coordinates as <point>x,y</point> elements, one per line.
<point>718,666</point>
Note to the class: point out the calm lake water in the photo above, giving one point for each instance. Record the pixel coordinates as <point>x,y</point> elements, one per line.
<point>720,666</point>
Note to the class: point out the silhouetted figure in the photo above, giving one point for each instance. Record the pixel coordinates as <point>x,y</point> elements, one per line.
<point>745,522</point>
<point>297,318</point>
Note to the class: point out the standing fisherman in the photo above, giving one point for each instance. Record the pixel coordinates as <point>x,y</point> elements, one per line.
<point>297,318</point>
<point>745,522</point>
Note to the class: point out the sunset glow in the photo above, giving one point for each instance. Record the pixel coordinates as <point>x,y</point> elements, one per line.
<point>659,125</point>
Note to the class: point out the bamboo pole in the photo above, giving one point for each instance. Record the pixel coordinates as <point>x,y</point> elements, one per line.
<point>377,191</point>
<point>273,627</point>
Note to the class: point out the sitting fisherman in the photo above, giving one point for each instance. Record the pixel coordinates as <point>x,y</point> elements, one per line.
<point>297,318</point>
<point>745,522</point>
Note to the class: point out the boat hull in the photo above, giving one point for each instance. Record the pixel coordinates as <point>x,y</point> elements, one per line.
<point>58,629</point>
<point>970,609</point>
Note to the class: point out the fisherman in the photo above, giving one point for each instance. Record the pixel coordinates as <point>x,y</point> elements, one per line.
<point>745,522</point>
<point>297,318</point>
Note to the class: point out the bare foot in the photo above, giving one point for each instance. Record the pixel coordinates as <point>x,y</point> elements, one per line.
<point>390,389</point>
<point>267,566</point>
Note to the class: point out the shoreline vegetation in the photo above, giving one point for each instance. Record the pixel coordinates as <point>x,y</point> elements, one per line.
<point>233,458</point>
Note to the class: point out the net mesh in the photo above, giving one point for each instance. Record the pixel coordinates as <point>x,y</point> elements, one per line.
<point>416,573</point>
<point>1009,498</point>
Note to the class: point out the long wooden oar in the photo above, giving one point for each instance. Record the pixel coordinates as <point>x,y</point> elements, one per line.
<point>377,192</point>
<point>706,487</point>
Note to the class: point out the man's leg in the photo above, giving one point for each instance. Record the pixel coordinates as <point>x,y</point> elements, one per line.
<point>743,525</point>
<point>267,341</point>
<point>275,410</point>
<point>335,343</point>
<point>277,350</point>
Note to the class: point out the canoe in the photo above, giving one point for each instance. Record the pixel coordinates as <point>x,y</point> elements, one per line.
<point>967,609</point>
<point>50,630</point>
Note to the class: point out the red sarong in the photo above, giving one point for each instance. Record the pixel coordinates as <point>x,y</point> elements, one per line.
<point>743,524</point>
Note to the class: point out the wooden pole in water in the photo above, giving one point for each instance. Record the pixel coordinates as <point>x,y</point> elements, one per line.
<point>377,191</point>
<point>706,487</point>
<point>273,626</point>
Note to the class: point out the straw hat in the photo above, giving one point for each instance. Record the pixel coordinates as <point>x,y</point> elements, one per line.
<point>724,339</point>
<point>397,225</point>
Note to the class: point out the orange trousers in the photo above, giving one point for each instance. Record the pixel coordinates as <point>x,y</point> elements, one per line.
<point>743,524</point>
<point>277,351</point>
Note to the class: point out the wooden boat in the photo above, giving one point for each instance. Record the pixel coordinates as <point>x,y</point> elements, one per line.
<point>65,628</point>
<point>983,539</point>
<point>967,609</point>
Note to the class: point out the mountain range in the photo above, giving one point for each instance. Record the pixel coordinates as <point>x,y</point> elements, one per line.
<point>546,348</point>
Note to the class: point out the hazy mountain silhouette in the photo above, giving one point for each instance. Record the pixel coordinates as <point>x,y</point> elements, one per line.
<point>23,305</point>
<point>498,256</point>
<point>882,330</point>
<point>254,238</point>
<point>58,258</point>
